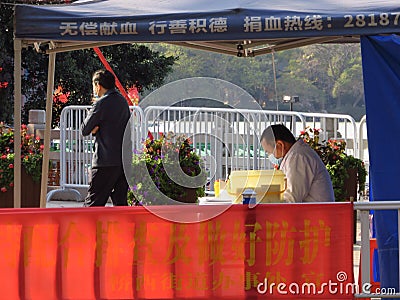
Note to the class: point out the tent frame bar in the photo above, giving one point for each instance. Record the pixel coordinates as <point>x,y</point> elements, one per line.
<point>47,132</point>
<point>255,48</point>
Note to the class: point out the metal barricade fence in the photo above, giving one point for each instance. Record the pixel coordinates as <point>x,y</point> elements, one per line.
<point>364,208</point>
<point>227,139</point>
<point>363,147</point>
<point>76,150</point>
<point>335,126</point>
<point>362,141</point>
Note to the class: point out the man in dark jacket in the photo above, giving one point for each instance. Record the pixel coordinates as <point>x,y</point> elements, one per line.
<point>107,120</point>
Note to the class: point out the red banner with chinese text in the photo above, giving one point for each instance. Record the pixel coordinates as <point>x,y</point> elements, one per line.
<point>272,251</point>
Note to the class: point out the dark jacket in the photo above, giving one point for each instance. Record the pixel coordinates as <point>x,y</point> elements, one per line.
<point>111,113</point>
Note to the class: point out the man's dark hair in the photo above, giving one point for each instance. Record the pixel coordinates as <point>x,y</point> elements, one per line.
<point>105,78</point>
<point>277,132</point>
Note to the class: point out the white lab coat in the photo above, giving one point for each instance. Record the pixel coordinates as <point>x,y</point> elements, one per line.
<point>306,175</point>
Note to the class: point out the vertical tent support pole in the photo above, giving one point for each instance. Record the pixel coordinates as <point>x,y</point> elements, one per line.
<point>17,122</point>
<point>47,131</point>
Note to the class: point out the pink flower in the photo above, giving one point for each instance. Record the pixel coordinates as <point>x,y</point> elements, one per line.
<point>11,166</point>
<point>3,189</point>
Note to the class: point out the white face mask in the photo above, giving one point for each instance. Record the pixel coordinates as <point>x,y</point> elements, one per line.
<point>274,160</point>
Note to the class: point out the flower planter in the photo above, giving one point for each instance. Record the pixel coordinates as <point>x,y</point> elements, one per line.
<point>30,193</point>
<point>31,161</point>
<point>348,173</point>
<point>161,168</point>
<point>188,196</point>
<point>350,185</point>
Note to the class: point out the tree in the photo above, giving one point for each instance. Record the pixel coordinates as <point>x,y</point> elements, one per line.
<point>324,65</point>
<point>7,55</point>
<point>6,62</point>
<point>254,74</point>
<point>348,88</point>
<point>311,98</point>
<point>133,64</point>
<point>139,65</point>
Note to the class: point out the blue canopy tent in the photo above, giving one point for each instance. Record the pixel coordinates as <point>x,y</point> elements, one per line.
<point>243,28</point>
<point>259,26</point>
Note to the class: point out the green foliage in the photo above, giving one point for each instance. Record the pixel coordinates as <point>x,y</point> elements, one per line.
<point>33,64</point>
<point>133,64</point>
<point>348,88</point>
<point>254,74</point>
<point>311,98</point>
<point>31,156</point>
<point>325,66</point>
<point>137,65</point>
<point>337,162</point>
<point>6,62</point>
<point>326,77</point>
<point>160,169</point>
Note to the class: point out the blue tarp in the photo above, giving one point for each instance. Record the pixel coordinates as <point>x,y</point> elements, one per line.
<point>204,20</point>
<point>381,69</point>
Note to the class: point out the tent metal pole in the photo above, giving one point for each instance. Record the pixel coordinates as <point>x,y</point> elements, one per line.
<point>47,132</point>
<point>63,47</point>
<point>17,122</point>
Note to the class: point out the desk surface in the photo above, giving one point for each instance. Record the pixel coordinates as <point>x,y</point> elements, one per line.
<point>223,199</point>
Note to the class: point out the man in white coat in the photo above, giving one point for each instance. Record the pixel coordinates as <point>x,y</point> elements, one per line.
<point>306,175</point>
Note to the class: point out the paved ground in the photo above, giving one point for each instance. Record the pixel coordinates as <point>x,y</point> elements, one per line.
<point>60,204</point>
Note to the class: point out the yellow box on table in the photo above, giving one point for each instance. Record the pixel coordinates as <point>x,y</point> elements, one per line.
<point>268,184</point>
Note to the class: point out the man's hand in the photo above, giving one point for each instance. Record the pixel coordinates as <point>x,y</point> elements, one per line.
<point>95,129</point>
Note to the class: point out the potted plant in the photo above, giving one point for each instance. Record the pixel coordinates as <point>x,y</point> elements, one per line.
<point>166,170</point>
<point>348,173</point>
<point>31,160</point>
